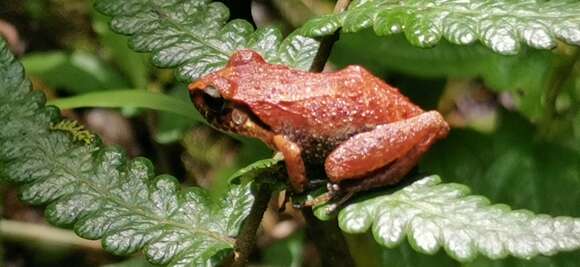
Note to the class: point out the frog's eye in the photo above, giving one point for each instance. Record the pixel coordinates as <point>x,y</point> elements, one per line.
<point>211,91</point>
<point>208,101</point>
<point>213,101</point>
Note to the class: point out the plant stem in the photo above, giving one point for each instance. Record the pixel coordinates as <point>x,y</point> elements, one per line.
<point>562,73</point>
<point>328,239</point>
<point>30,232</point>
<point>240,9</point>
<point>328,41</point>
<point>341,6</point>
<point>247,237</point>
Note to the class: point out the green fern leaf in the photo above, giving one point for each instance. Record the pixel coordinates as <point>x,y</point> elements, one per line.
<point>434,215</point>
<point>501,25</point>
<point>102,194</point>
<point>195,36</point>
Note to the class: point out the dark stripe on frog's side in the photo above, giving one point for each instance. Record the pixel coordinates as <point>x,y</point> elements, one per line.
<point>218,111</point>
<point>316,148</point>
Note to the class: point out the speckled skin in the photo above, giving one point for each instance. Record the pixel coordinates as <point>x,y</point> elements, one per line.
<point>349,120</point>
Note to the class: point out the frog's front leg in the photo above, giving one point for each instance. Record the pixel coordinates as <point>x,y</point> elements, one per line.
<point>294,163</point>
<point>385,154</point>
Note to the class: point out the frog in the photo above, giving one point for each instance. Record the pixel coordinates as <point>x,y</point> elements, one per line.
<point>361,132</point>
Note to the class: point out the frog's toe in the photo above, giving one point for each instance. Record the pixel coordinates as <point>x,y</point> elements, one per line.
<point>339,202</point>
<point>333,188</point>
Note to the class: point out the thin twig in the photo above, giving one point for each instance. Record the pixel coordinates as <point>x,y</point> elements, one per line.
<point>341,6</point>
<point>328,41</point>
<point>563,73</point>
<point>247,237</point>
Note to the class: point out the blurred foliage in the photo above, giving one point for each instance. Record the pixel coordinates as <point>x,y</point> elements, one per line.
<point>131,98</point>
<point>512,157</point>
<point>77,73</point>
<point>286,253</point>
<point>133,65</point>
<point>133,262</point>
<point>172,128</point>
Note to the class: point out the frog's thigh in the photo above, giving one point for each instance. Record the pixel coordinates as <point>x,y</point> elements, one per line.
<point>293,159</point>
<point>369,151</point>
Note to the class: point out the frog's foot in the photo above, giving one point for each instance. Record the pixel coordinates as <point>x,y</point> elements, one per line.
<point>340,202</point>
<point>337,199</point>
<point>334,192</point>
<point>319,200</point>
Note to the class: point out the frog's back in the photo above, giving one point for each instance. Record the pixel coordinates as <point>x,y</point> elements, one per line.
<point>324,104</point>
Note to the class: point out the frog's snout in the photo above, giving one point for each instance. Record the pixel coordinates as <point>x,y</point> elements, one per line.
<point>203,87</point>
<point>217,84</point>
<point>200,85</point>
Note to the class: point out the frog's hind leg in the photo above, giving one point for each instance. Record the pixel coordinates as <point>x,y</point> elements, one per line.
<point>385,154</point>
<point>388,175</point>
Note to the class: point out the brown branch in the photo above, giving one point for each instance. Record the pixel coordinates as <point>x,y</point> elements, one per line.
<point>247,237</point>
<point>328,41</point>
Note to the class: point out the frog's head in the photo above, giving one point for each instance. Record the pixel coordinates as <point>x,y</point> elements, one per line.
<point>223,83</point>
<point>212,95</point>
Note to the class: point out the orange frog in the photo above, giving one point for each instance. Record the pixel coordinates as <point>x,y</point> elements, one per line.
<point>360,131</point>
